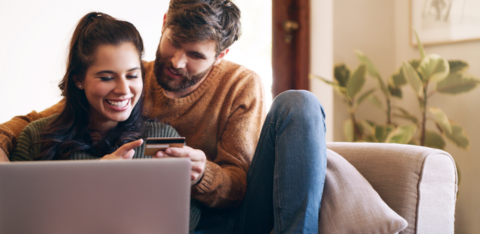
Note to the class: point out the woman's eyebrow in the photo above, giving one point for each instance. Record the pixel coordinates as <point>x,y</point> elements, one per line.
<point>105,71</point>
<point>133,69</point>
<point>112,72</point>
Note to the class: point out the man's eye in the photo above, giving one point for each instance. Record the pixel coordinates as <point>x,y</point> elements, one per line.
<point>196,56</point>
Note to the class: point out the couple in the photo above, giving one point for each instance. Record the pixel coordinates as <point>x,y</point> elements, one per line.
<point>244,180</point>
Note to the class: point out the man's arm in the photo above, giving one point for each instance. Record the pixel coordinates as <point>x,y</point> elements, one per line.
<point>224,180</point>
<point>9,131</point>
<point>3,156</point>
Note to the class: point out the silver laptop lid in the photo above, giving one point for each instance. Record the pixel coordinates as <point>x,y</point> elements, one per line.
<point>88,197</point>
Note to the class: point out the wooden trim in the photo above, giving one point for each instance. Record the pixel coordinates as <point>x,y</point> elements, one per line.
<point>290,62</point>
<point>302,63</point>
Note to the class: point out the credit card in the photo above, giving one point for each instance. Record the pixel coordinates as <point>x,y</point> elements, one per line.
<point>155,144</point>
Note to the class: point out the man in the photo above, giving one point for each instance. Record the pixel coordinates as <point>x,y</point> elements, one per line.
<point>218,106</point>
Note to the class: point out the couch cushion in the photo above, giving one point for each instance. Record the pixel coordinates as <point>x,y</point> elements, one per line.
<point>351,205</point>
<point>418,183</point>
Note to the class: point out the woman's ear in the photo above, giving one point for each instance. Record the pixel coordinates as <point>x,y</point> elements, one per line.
<point>78,82</point>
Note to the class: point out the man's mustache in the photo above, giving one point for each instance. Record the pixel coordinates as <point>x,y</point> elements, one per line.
<point>169,65</point>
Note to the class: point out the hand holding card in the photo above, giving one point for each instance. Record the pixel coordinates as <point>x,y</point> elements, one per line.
<point>155,144</point>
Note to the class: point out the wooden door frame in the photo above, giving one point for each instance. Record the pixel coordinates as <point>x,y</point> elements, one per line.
<point>290,62</point>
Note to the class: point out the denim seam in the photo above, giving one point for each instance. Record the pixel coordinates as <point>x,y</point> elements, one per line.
<point>277,195</point>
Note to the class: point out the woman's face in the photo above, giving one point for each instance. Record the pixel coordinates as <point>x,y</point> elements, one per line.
<point>112,84</point>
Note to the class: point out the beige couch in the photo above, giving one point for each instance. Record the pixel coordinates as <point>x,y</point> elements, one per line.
<point>418,183</point>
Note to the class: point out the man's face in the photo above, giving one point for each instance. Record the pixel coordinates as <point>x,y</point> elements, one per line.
<point>181,68</point>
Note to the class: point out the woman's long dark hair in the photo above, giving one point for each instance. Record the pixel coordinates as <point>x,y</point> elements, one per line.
<point>70,131</point>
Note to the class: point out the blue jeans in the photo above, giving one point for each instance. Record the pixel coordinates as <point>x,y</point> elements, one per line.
<point>286,178</point>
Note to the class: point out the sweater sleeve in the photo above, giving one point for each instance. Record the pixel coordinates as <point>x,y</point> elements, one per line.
<point>9,131</point>
<point>26,149</point>
<point>224,182</point>
<point>22,152</point>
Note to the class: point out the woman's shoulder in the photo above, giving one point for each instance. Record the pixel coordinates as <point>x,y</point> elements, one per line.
<point>39,124</point>
<point>157,129</point>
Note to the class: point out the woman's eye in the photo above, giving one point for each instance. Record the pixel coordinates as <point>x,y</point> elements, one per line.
<point>132,77</point>
<point>106,78</point>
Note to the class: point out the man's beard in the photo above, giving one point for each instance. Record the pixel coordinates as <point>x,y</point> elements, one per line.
<point>170,84</point>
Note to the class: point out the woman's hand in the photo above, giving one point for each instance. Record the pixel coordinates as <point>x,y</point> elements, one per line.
<point>125,151</point>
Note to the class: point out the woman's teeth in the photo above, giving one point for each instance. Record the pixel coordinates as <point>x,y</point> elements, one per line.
<point>118,104</point>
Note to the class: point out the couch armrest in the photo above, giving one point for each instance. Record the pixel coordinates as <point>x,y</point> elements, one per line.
<point>418,183</point>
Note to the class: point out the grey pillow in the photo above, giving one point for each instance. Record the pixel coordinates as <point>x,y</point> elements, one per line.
<point>351,205</point>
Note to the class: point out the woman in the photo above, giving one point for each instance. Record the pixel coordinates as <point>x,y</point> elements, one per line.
<point>102,87</point>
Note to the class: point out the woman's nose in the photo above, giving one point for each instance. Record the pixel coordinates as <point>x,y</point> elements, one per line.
<point>122,87</point>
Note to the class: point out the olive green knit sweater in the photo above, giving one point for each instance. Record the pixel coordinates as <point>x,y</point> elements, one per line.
<point>26,150</point>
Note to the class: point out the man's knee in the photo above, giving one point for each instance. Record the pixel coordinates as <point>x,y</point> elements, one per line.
<point>300,102</point>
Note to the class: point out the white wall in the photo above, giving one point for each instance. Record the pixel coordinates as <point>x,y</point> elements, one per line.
<point>34,41</point>
<point>463,108</point>
<point>321,61</point>
<point>366,26</point>
<point>381,30</point>
<point>35,37</point>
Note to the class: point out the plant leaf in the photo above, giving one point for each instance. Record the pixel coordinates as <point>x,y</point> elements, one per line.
<point>420,45</point>
<point>356,82</point>
<point>441,119</point>
<point>434,68</point>
<point>341,73</point>
<point>375,101</point>
<point>457,83</point>
<point>457,66</point>
<point>413,78</point>
<point>397,79</point>
<point>341,91</point>
<point>415,63</point>
<point>402,134</point>
<point>434,140</point>
<point>459,137</point>
<point>311,76</point>
<point>365,96</point>
<point>406,115</point>
<point>395,91</point>
<point>370,66</point>
<point>348,130</point>
<point>372,70</point>
<point>381,132</point>
<point>368,128</point>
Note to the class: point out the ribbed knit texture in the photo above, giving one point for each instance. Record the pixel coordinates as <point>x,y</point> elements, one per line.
<point>223,118</point>
<point>26,150</point>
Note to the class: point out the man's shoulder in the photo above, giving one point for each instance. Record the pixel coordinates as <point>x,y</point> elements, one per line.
<point>229,67</point>
<point>235,73</point>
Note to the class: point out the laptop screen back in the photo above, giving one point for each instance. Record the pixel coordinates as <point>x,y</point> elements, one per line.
<point>114,196</point>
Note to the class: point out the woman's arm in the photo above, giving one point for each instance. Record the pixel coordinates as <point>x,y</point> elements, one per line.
<point>24,150</point>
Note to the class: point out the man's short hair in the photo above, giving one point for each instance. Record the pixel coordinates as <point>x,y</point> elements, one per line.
<point>202,20</point>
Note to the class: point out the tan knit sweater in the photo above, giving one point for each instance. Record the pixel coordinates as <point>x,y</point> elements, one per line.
<point>223,118</point>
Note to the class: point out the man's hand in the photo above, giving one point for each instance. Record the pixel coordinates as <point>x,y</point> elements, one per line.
<point>125,151</point>
<point>197,157</point>
<point>3,156</point>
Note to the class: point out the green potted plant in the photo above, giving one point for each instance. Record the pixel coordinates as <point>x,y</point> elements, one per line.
<point>429,75</point>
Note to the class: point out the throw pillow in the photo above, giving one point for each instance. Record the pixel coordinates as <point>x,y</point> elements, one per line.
<point>351,205</point>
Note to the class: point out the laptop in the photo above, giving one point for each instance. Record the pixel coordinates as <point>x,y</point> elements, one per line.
<point>144,196</point>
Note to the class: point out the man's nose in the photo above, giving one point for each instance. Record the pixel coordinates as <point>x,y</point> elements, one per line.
<point>179,60</point>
